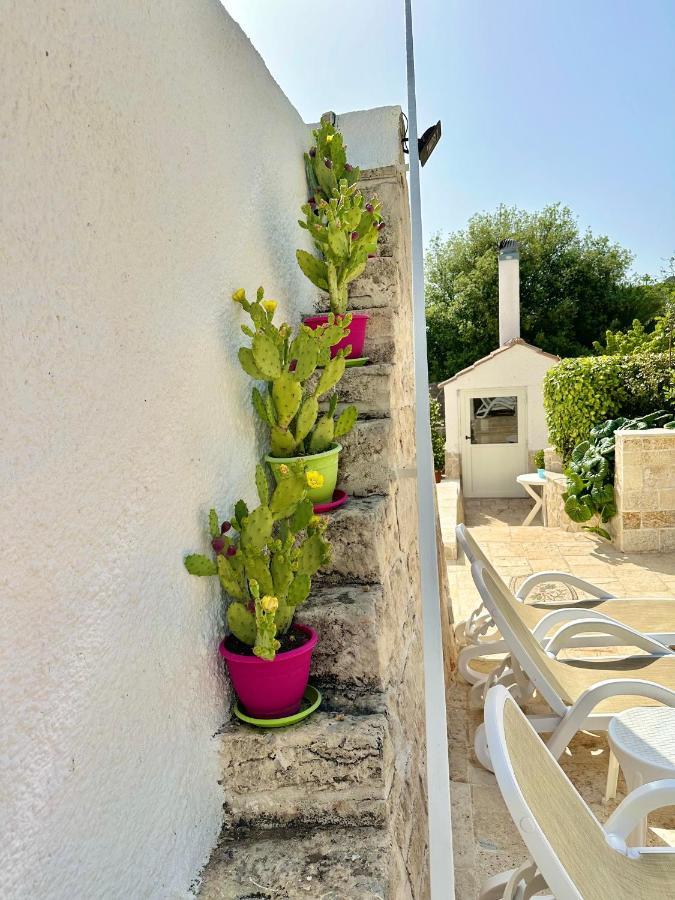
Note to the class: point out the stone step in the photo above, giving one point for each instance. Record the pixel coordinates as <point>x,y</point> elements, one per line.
<point>370,388</point>
<point>367,458</point>
<point>379,286</point>
<point>355,650</point>
<point>333,863</point>
<point>333,770</point>
<point>358,532</point>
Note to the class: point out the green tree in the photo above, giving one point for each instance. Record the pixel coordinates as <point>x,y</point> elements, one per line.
<point>657,338</point>
<point>573,287</point>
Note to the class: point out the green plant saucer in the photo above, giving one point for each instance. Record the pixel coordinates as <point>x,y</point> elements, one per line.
<point>310,702</point>
<point>359,361</point>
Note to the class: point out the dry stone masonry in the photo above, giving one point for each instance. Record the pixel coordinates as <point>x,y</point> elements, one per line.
<point>336,808</point>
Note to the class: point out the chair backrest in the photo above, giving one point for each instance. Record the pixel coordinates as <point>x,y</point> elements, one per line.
<point>470,546</point>
<point>532,658</point>
<point>565,839</point>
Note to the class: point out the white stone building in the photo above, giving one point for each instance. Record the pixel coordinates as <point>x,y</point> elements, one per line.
<point>494,410</point>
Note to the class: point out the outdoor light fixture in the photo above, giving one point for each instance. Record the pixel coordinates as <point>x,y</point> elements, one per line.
<point>427,143</point>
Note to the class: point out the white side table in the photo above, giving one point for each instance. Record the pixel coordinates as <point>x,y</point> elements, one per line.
<point>529,482</point>
<point>642,742</point>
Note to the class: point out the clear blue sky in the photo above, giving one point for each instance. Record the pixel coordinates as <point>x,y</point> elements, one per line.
<point>541,100</point>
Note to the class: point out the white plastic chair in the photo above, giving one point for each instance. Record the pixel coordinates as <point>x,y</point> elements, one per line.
<point>574,857</point>
<point>653,617</point>
<point>580,693</point>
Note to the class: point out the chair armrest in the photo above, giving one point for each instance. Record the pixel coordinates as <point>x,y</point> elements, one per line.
<point>625,636</point>
<point>563,578</point>
<point>637,806</point>
<point>575,718</point>
<point>565,614</point>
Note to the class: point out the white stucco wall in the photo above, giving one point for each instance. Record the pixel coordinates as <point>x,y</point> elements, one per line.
<point>150,165</point>
<point>519,366</point>
<point>372,135</point>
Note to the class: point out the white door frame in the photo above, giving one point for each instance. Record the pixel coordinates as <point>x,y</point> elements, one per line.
<point>464,396</point>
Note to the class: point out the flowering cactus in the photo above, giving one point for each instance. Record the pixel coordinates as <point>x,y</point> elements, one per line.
<point>290,405</point>
<point>342,226</point>
<point>267,565</point>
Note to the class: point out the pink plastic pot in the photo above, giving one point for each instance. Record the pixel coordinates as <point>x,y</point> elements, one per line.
<point>356,337</point>
<point>270,689</point>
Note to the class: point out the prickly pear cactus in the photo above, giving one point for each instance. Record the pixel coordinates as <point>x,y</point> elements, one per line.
<point>343,227</point>
<point>265,559</point>
<point>290,404</point>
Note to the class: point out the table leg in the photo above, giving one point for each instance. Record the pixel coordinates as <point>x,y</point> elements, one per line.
<point>637,837</point>
<point>537,504</point>
<point>612,778</point>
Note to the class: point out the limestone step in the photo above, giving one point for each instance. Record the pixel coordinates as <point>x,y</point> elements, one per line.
<point>355,650</point>
<point>333,863</point>
<point>367,458</point>
<point>370,388</point>
<point>335,769</point>
<point>379,286</point>
<point>358,532</point>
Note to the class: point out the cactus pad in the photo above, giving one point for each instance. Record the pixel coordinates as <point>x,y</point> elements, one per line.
<point>241,623</point>
<point>257,568</point>
<point>261,485</point>
<point>287,494</point>
<point>248,363</point>
<point>282,443</point>
<point>323,434</point>
<point>330,376</point>
<point>266,356</point>
<point>259,406</point>
<point>256,529</point>
<point>287,395</point>
<point>300,518</point>
<point>306,418</point>
<point>196,564</point>
<point>298,591</point>
<point>228,578</point>
<point>346,421</point>
<point>314,552</point>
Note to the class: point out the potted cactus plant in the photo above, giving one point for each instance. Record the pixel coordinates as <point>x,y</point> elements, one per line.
<point>343,227</point>
<point>296,385</point>
<point>265,559</point>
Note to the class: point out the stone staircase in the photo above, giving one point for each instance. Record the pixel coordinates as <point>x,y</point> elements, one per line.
<point>336,807</point>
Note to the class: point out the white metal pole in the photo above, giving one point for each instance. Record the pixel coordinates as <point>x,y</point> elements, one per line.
<point>438,773</point>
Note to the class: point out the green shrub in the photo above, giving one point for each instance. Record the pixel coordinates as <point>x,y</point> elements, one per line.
<point>579,393</point>
<point>437,434</point>
<point>590,473</point>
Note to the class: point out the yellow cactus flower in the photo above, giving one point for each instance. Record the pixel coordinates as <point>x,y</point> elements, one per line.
<point>329,138</point>
<point>269,604</point>
<point>283,469</point>
<point>314,479</point>
<point>239,295</point>
<point>270,306</point>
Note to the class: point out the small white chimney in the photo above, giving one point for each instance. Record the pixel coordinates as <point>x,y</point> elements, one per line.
<point>509,291</point>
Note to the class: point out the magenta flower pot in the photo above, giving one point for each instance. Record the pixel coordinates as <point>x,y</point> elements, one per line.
<point>270,689</point>
<point>355,338</point>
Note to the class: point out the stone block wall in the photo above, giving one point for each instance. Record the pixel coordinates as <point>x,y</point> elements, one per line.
<point>337,807</point>
<point>645,490</point>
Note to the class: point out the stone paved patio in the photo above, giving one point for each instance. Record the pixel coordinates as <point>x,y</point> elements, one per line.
<point>485,840</point>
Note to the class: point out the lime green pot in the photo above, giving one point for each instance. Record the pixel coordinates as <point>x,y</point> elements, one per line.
<point>326,463</point>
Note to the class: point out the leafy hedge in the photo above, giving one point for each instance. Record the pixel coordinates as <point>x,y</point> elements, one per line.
<point>579,393</point>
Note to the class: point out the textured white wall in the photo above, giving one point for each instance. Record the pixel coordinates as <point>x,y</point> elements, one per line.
<point>372,136</point>
<point>150,165</point>
<point>517,367</point>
